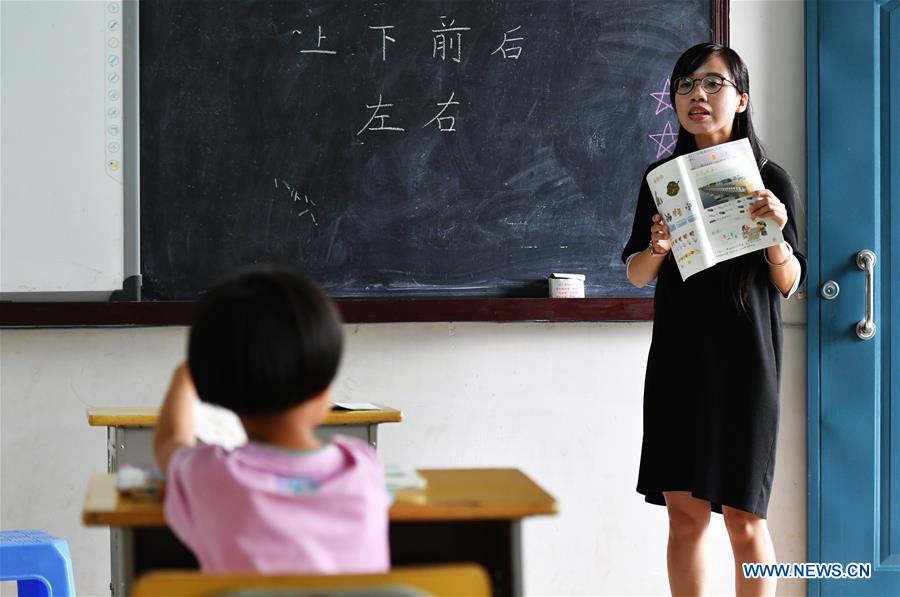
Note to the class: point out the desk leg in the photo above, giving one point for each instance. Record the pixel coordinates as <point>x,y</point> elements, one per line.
<point>495,544</point>
<point>125,445</point>
<point>515,549</point>
<point>121,541</point>
<point>111,465</point>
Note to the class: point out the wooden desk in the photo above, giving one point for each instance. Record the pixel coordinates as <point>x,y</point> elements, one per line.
<point>465,515</point>
<point>130,441</point>
<point>130,429</point>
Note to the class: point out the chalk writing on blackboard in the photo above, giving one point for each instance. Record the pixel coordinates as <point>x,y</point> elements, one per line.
<point>447,38</point>
<point>381,118</point>
<point>444,42</point>
<point>305,203</point>
<point>662,98</point>
<point>447,41</point>
<point>443,126</point>
<point>514,51</point>
<point>319,49</point>
<point>384,39</point>
<point>665,140</point>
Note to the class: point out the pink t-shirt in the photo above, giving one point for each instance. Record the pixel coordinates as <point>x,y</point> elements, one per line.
<point>265,509</point>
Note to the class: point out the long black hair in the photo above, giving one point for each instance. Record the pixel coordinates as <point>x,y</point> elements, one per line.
<point>688,63</point>
<point>741,272</point>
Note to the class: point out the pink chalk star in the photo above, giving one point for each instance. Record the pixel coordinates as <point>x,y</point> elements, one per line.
<point>665,141</point>
<point>662,98</point>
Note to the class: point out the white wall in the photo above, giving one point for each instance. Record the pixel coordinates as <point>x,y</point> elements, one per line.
<point>560,401</point>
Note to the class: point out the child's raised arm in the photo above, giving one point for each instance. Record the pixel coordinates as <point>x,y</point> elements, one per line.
<point>175,425</point>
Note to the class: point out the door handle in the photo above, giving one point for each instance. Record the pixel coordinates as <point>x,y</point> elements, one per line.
<point>865,260</point>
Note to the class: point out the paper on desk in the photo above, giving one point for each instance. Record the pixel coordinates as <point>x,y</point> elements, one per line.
<point>139,482</point>
<point>217,425</point>
<point>405,484</point>
<point>355,406</point>
<point>401,477</point>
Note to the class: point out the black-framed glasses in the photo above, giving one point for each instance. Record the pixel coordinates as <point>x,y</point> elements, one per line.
<point>709,84</point>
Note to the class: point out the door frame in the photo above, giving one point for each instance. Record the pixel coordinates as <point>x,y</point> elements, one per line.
<point>813,413</point>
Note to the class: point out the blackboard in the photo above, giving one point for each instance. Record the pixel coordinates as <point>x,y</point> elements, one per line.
<point>401,149</point>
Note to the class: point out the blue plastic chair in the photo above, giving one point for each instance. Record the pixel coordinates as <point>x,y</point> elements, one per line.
<point>39,562</point>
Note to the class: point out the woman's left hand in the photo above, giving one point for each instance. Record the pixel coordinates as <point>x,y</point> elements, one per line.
<point>768,206</point>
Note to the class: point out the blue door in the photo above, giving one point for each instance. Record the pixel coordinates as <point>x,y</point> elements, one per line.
<point>853,72</point>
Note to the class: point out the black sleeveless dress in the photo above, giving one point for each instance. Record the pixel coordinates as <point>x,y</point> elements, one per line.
<point>713,371</point>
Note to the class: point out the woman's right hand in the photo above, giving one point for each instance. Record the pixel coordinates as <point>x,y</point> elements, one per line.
<point>659,236</point>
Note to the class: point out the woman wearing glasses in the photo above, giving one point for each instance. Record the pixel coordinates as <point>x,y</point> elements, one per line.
<point>711,387</point>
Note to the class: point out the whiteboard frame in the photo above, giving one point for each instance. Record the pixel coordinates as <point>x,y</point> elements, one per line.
<point>131,181</point>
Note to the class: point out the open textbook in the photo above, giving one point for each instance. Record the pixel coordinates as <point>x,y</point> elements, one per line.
<point>705,197</point>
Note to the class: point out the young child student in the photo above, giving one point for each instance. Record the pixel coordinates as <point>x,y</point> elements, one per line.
<point>711,388</point>
<point>266,343</point>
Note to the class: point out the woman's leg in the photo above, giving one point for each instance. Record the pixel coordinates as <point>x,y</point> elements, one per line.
<point>750,542</point>
<point>686,555</point>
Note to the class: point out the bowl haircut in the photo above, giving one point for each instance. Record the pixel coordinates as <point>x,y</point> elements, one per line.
<point>264,340</point>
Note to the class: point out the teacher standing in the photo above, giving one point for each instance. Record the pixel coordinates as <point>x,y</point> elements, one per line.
<point>714,366</point>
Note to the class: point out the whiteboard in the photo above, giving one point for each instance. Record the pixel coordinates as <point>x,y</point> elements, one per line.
<point>62,159</point>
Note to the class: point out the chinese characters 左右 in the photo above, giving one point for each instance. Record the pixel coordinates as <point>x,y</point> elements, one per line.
<point>442,121</point>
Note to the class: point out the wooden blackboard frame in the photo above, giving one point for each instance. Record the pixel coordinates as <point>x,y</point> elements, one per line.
<point>158,313</point>
<point>376,310</point>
